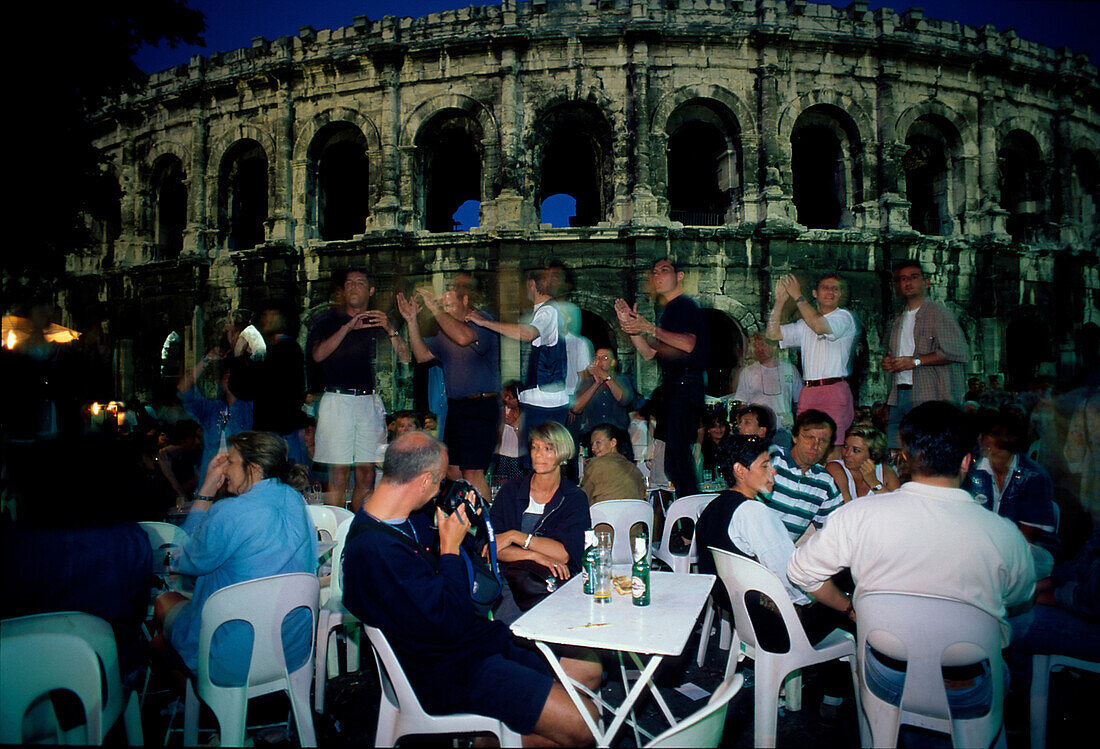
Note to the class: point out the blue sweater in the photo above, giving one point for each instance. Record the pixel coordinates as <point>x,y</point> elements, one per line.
<point>265,531</point>
<point>421,603</point>
<point>565,518</point>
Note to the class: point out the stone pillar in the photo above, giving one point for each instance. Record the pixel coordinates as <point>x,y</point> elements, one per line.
<point>196,239</point>
<point>280,221</point>
<point>643,208</point>
<point>893,207</point>
<point>777,201</point>
<point>1060,212</point>
<point>513,209</point>
<point>389,57</point>
<point>993,216</point>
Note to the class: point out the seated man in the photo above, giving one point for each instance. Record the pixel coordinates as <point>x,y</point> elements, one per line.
<point>454,659</point>
<point>929,536</point>
<point>756,420</point>
<point>1014,486</point>
<point>804,491</point>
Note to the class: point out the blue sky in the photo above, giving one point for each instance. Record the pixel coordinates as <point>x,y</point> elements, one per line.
<point>233,23</point>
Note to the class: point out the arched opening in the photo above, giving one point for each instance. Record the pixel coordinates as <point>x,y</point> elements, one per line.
<point>1085,191</point>
<point>827,167</point>
<point>449,158</point>
<point>704,164</point>
<point>597,331</point>
<point>726,345</point>
<point>573,143</point>
<point>242,195</point>
<point>169,207</point>
<point>929,165</point>
<point>171,357</point>
<point>341,189</point>
<point>559,210</point>
<point>1028,343</point>
<point>1023,186</point>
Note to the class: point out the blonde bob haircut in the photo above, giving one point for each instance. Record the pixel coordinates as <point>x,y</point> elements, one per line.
<point>872,437</point>
<point>555,435</point>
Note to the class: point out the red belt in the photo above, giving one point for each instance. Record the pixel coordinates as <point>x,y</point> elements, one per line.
<point>819,383</point>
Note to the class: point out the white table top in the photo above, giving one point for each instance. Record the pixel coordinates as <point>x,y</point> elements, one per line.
<point>661,628</point>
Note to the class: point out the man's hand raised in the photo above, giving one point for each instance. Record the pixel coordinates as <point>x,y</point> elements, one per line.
<point>452,529</point>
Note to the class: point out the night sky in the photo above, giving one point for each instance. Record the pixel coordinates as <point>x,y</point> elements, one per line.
<point>232,24</point>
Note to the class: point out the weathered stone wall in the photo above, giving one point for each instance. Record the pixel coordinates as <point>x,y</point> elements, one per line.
<point>626,75</point>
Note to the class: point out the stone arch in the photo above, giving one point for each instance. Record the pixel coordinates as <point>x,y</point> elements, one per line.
<point>1083,191</point>
<point>828,157</point>
<point>966,130</point>
<point>245,176</point>
<point>490,147</point>
<point>338,188</point>
<point>699,162</point>
<point>1033,127</point>
<point>561,127</point>
<point>1023,179</point>
<point>1028,344</point>
<point>933,170</point>
<point>167,205</point>
<point>864,123</point>
<point>222,139</point>
<point>306,205</point>
<point>448,167</point>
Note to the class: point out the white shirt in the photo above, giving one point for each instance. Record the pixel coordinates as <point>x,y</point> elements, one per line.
<point>545,321</point>
<point>775,387</point>
<point>922,539</point>
<point>998,491</point>
<point>907,343</point>
<point>823,356</point>
<point>578,353</point>
<point>757,530</point>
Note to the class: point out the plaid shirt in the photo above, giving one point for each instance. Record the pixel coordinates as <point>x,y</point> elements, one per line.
<point>935,330</point>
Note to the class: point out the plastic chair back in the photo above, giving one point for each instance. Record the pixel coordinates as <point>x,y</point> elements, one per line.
<point>327,519</point>
<point>162,535</point>
<point>705,727</point>
<point>1042,664</point>
<point>621,515</point>
<point>401,714</point>
<point>26,675</point>
<point>264,603</point>
<point>928,632</point>
<point>336,584</point>
<point>99,635</point>
<point>685,508</point>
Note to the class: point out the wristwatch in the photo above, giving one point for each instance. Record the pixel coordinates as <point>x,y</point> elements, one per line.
<point>876,488</point>
<point>202,498</point>
<point>801,298</point>
<point>916,362</point>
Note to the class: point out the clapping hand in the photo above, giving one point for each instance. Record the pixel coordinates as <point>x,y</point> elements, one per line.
<point>407,307</point>
<point>632,323</point>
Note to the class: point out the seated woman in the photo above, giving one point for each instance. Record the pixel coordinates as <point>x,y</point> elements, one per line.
<point>715,427</point>
<point>506,463</point>
<point>265,529</point>
<point>863,470</point>
<point>610,474</point>
<point>540,519</point>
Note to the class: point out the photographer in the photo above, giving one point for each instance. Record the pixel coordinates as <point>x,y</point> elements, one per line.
<point>456,660</point>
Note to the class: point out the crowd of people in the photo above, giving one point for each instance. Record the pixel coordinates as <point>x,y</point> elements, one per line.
<point>1002,485</point>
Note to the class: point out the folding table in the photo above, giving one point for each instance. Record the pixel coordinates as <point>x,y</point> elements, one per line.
<point>569,617</point>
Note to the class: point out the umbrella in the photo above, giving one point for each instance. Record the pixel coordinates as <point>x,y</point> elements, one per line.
<point>18,329</point>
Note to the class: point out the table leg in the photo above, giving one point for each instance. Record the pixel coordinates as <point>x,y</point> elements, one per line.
<point>571,690</point>
<point>656,695</point>
<point>626,688</point>
<point>632,696</point>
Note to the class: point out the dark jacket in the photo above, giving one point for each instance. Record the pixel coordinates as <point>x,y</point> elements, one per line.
<point>1028,498</point>
<point>565,518</point>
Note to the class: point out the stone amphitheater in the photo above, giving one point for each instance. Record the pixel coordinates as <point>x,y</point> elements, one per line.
<point>746,138</point>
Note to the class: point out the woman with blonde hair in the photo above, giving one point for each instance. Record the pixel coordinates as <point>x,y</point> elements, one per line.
<point>863,469</point>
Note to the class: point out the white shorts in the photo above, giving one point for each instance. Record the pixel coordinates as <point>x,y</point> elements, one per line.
<point>351,429</point>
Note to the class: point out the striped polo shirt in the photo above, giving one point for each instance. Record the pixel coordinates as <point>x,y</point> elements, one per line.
<point>801,497</point>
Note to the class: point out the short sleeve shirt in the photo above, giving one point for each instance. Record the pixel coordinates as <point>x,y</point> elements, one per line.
<point>801,497</point>
<point>682,315</point>
<point>351,365</point>
<point>828,355</point>
<point>469,370</point>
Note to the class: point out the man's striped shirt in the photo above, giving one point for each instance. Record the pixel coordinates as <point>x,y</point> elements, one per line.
<point>801,497</point>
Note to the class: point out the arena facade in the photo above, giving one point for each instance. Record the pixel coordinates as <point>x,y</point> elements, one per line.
<point>746,138</point>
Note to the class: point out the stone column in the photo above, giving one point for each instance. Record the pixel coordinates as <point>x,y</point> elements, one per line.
<point>196,234</point>
<point>643,208</point>
<point>388,59</point>
<point>280,221</point>
<point>1060,212</point>
<point>993,216</point>
<point>893,207</point>
<point>514,210</point>
<point>777,201</point>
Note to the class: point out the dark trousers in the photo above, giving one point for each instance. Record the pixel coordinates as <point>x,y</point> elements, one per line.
<point>683,411</point>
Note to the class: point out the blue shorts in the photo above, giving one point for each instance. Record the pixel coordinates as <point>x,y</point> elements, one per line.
<point>511,685</point>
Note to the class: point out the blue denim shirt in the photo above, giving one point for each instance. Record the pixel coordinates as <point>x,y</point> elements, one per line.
<point>216,418</point>
<point>1028,497</point>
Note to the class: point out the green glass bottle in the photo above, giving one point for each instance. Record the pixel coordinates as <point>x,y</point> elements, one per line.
<point>639,582</point>
<point>589,570</point>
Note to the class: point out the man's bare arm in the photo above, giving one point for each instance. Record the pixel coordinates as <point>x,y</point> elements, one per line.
<point>515,330</point>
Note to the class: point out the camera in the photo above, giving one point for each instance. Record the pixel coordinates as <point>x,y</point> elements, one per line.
<point>453,493</point>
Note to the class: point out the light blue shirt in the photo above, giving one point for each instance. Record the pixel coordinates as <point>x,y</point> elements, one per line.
<point>265,531</point>
<point>218,419</point>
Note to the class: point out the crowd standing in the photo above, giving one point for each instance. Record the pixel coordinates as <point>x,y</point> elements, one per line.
<point>1003,485</point>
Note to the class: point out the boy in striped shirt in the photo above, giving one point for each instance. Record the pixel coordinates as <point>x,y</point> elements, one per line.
<point>804,491</point>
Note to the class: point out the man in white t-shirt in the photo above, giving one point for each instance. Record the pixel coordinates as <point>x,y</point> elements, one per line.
<point>826,334</point>
<point>770,382</point>
<point>544,396</point>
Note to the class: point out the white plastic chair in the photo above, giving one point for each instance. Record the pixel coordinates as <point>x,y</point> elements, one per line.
<point>162,536</point>
<point>621,515</point>
<point>1042,664</point>
<point>331,615</point>
<point>400,713</point>
<point>928,632</point>
<point>99,635</point>
<point>326,519</point>
<point>26,676</point>
<point>703,728</point>
<point>685,508</point>
<point>264,603</point>
<point>740,576</point>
